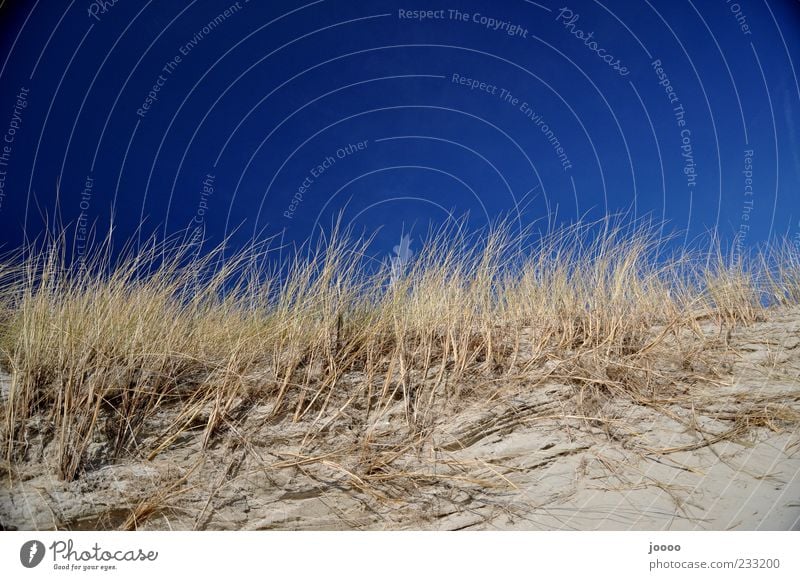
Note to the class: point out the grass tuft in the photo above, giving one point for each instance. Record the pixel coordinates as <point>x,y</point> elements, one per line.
<point>98,354</point>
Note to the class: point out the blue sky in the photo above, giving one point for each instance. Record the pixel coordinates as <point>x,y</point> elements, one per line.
<point>272,118</point>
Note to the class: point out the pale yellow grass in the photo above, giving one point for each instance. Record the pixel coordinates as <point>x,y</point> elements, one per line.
<point>99,353</point>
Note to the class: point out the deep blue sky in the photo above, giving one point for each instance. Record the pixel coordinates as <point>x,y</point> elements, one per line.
<point>657,107</point>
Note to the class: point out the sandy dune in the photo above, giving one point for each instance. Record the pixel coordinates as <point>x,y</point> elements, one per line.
<point>719,452</point>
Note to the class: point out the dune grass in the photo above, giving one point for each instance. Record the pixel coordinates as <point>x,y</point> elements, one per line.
<point>96,352</point>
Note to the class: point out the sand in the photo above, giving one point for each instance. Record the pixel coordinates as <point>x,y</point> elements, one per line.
<point>721,452</point>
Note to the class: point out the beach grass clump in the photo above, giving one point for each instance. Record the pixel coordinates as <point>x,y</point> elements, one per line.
<point>100,351</point>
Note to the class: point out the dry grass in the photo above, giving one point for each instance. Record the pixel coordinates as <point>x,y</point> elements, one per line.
<point>95,355</point>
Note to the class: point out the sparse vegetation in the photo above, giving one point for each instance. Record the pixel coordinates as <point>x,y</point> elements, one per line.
<point>126,358</point>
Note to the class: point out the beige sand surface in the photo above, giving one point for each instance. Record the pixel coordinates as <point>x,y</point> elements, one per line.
<point>725,454</point>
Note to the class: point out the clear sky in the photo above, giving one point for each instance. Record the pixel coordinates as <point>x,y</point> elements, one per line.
<point>272,117</point>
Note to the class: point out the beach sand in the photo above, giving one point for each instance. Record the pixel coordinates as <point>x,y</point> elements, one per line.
<point>720,451</point>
